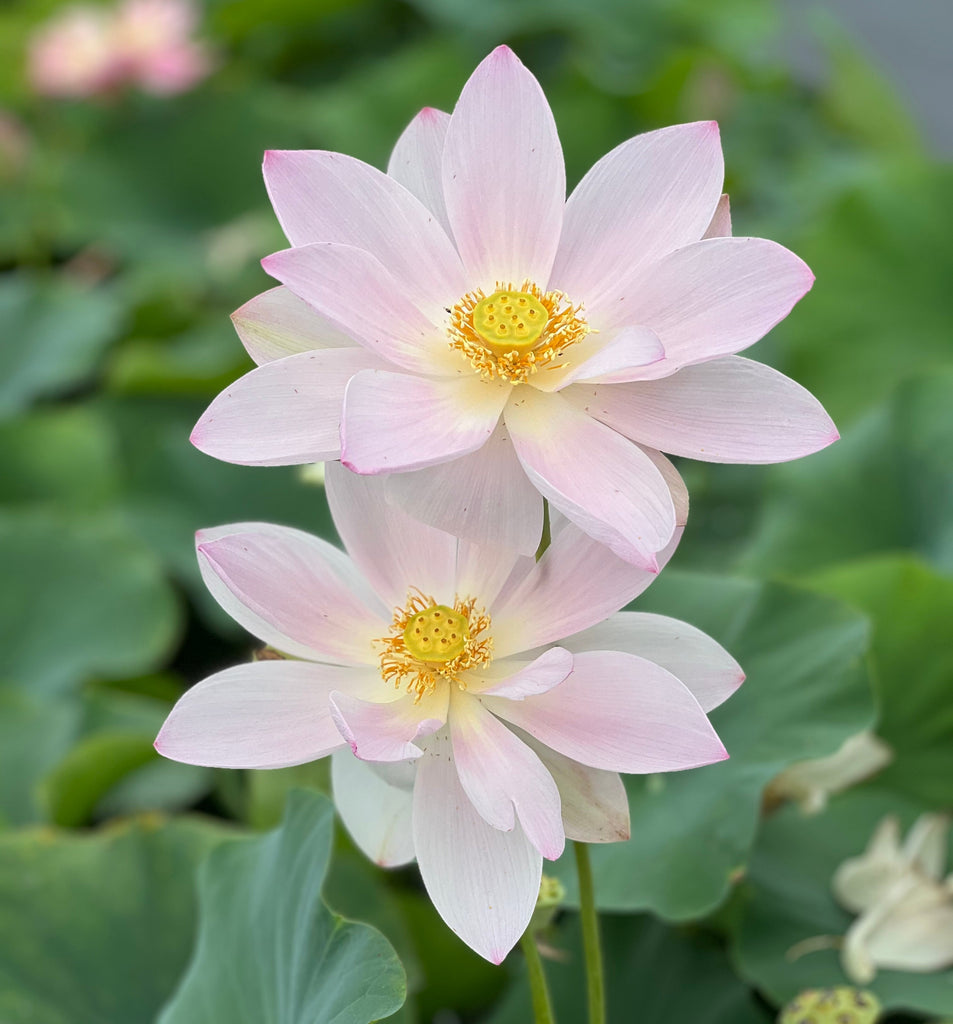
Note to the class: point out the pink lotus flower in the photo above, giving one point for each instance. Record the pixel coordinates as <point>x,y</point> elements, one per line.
<point>459,734</point>
<point>458,324</point>
<point>89,51</point>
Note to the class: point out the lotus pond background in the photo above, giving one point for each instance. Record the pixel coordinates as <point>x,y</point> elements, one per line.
<point>133,889</point>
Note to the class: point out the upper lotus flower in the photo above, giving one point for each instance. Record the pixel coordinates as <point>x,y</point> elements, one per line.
<point>461,736</point>
<point>456,322</point>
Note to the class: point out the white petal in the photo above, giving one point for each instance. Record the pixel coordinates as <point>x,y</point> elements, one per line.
<point>595,806</point>
<point>454,496</point>
<point>417,161</point>
<point>703,665</point>
<point>392,550</point>
<point>504,778</point>
<point>649,196</point>
<point>329,197</point>
<point>270,714</point>
<point>483,882</point>
<point>385,731</point>
<point>503,175</point>
<point>293,591</point>
<point>277,323</point>
<point>377,816</point>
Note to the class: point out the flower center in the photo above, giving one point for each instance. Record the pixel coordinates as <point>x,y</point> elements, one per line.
<point>430,643</point>
<point>515,332</point>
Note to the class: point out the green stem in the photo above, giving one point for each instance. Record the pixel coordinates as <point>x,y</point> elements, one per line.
<point>590,937</point>
<point>542,1007</point>
<point>546,538</point>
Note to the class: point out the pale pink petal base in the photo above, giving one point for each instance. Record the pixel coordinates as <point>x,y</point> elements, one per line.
<point>515,680</point>
<point>386,731</point>
<point>270,714</point>
<point>483,882</point>
<point>378,816</point>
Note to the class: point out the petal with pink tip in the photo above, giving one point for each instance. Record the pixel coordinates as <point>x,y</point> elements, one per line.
<point>620,713</point>
<point>515,680</point>
<point>701,663</point>
<point>595,806</point>
<point>394,551</point>
<point>504,778</point>
<point>394,422</point>
<point>277,323</point>
<point>577,583</point>
<point>596,478</point>
<point>728,410</point>
<point>355,290</point>
<point>503,175</point>
<point>720,226</point>
<point>713,298</point>
<point>483,882</point>
<point>270,714</point>
<point>417,161</point>
<point>453,497</point>
<point>294,591</point>
<point>649,196</point>
<point>378,816</point>
<point>386,731</point>
<point>328,197</point>
<point>283,413</point>
<point>623,357</point>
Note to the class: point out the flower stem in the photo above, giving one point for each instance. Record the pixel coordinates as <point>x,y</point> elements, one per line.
<point>546,538</point>
<point>590,937</point>
<point>542,1007</point>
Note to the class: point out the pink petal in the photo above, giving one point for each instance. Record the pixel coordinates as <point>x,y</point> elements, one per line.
<point>503,175</point>
<point>595,806</point>
<point>393,551</point>
<point>270,714</point>
<point>577,583</point>
<point>354,289</point>
<point>378,816</point>
<point>483,882</point>
<point>604,484</point>
<point>515,680</point>
<point>713,298</point>
<point>453,497</point>
<point>703,665</point>
<point>728,410</point>
<point>417,161</point>
<point>394,422</point>
<point>277,323</point>
<point>619,713</point>
<point>283,413</point>
<point>504,778</point>
<point>386,731</point>
<point>329,197</point>
<point>720,226</point>
<point>623,357</point>
<point>294,591</point>
<point>649,196</point>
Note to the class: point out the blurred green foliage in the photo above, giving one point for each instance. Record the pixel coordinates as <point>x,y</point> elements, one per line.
<point>131,227</point>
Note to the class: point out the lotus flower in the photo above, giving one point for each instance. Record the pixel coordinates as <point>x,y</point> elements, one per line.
<point>477,705</point>
<point>458,324</point>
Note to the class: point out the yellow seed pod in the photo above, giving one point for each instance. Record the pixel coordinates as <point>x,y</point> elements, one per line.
<point>842,1005</point>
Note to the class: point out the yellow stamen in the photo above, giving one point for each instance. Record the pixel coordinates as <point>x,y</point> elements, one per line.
<point>431,642</point>
<point>515,332</point>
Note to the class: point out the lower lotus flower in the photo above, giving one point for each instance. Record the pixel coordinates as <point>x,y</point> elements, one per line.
<point>461,734</point>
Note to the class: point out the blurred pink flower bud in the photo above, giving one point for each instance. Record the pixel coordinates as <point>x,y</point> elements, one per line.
<point>72,55</point>
<point>153,40</point>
